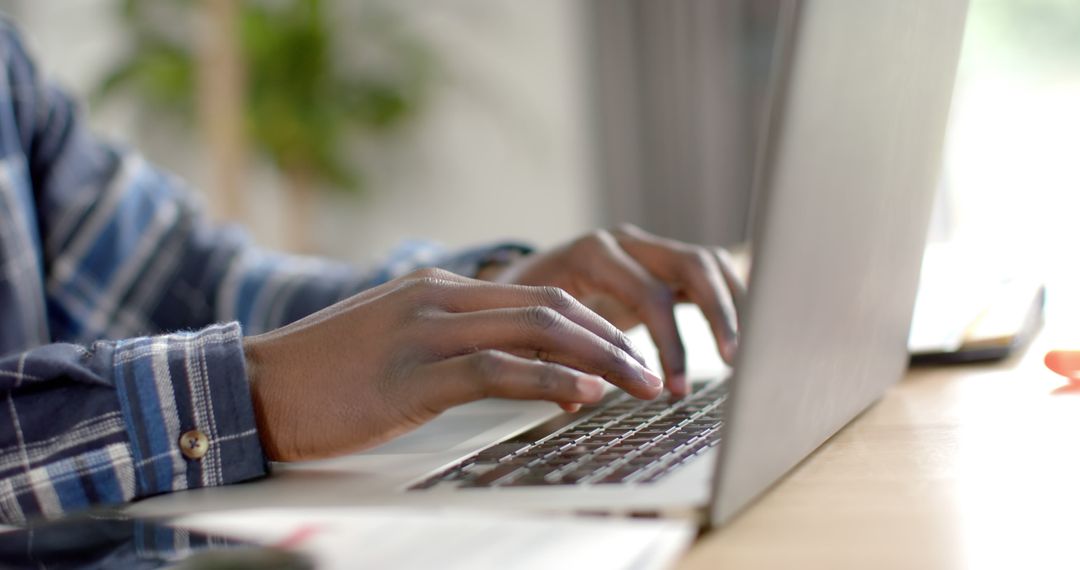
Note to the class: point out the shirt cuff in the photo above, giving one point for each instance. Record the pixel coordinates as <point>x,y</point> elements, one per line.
<point>187,406</point>
<point>469,262</point>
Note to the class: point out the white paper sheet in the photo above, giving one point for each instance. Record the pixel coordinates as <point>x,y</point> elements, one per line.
<point>955,287</point>
<point>414,538</point>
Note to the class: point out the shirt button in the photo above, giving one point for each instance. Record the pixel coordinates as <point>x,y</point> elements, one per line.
<point>193,444</point>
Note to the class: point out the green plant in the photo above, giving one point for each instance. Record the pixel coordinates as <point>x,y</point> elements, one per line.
<point>302,103</point>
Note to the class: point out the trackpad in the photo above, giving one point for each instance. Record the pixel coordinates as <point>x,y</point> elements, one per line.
<point>442,434</point>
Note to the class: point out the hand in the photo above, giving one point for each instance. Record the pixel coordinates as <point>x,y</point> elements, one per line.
<point>629,276</point>
<point>391,358</point>
<point>1064,362</point>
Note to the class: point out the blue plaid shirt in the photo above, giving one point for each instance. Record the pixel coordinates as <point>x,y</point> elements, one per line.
<point>122,312</point>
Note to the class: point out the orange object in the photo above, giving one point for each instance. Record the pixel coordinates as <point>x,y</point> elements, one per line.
<point>1064,362</point>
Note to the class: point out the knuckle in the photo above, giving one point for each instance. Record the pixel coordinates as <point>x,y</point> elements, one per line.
<point>430,287</point>
<point>487,363</point>
<point>430,278</point>
<point>489,366</point>
<point>593,241</point>
<point>623,340</point>
<point>615,357</point>
<point>426,273</point>
<point>425,283</point>
<point>699,258</point>
<point>556,298</point>
<point>539,317</point>
<point>422,294</point>
<point>548,379</point>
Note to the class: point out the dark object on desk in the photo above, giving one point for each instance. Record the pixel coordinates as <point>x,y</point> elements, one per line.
<point>1005,327</point>
<point>108,539</point>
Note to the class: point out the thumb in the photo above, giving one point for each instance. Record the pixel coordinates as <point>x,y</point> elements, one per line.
<point>1064,362</point>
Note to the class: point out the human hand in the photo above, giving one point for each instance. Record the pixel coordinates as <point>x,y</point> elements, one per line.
<point>630,276</point>
<point>1064,362</point>
<point>385,361</point>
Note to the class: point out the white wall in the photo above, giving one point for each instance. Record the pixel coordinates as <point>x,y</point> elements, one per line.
<point>503,152</point>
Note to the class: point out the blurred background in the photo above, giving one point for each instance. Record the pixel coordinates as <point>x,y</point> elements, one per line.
<point>342,127</point>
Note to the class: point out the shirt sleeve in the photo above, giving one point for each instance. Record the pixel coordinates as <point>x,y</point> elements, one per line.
<point>110,422</point>
<point>129,251</point>
<point>126,253</point>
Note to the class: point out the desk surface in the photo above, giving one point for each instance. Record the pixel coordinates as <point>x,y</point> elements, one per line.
<point>957,467</point>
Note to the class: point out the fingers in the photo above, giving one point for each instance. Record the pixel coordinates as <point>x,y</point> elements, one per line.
<point>478,295</point>
<point>736,286</point>
<point>544,334</point>
<point>496,374</point>
<point>1064,362</point>
<point>704,276</point>
<point>614,271</point>
<point>541,322</point>
<point>735,298</point>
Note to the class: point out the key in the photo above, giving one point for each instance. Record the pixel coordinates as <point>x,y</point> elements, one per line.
<point>621,474</point>
<point>499,451</point>
<point>501,472</point>
<point>531,480</point>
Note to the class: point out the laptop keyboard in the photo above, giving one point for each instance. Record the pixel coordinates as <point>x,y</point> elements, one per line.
<point>623,440</point>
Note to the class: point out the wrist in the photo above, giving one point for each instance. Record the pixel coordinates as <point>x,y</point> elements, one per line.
<point>259,383</point>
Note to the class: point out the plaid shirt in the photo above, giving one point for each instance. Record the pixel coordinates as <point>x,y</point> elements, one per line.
<point>101,255</point>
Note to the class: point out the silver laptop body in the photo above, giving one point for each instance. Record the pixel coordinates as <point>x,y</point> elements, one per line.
<point>851,161</point>
<point>853,144</point>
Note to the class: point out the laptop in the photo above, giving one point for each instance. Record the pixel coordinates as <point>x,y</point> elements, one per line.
<point>844,183</point>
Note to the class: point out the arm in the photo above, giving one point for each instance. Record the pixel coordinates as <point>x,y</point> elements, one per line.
<point>128,251</point>
<point>121,251</point>
<point>359,372</point>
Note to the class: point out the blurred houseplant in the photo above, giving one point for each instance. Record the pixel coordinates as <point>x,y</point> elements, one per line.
<point>268,68</point>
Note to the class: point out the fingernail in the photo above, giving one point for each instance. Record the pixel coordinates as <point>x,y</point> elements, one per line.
<point>651,379</point>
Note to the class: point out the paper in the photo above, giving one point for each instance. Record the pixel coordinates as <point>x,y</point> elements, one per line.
<point>954,289</point>
<point>415,538</point>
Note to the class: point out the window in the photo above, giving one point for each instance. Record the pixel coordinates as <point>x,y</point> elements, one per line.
<point>1012,172</point>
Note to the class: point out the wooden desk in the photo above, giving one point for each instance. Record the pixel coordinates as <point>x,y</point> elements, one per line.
<point>957,467</point>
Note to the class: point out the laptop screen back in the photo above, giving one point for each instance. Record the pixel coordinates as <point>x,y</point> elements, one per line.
<point>846,176</point>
